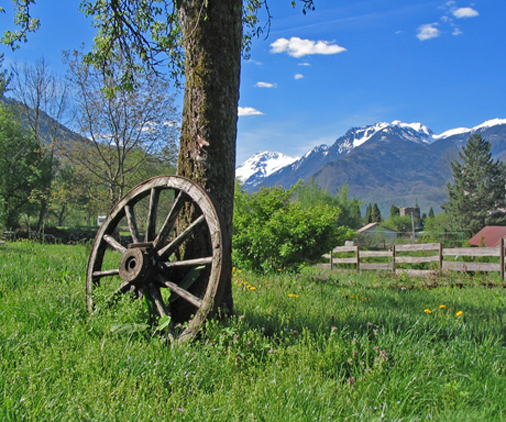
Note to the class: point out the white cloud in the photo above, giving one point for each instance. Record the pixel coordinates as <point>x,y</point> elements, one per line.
<point>265,85</point>
<point>248,111</point>
<point>464,12</point>
<point>297,47</point>
<point>304,64</point>
<point>298,76</point>
<point>428,31</point>
<point>457,31</point>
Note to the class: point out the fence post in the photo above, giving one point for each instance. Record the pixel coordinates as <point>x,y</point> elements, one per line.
<point>440,259</point>
<point>358,258</point>
<point>393,259</point>
<point>502,259</point>
<point>331,261</point>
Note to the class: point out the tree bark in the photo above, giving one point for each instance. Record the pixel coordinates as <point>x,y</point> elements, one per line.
<point>212,40</point>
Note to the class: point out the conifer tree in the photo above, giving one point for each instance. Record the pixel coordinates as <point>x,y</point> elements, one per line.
<point>368,214</point>
<point>431,213</point>
<point>376,214</point>
<point>477,196</point>
<point>394,211</point>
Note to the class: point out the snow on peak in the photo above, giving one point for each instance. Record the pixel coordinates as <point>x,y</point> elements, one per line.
<point>417,127</point>
<point>263,164</point>
<point>415,132</point>
<point>320,149</point>
<point>462,130</point>
<point>490,123</point>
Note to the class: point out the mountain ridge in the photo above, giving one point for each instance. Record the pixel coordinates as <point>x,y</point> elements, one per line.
<point>388,163</point>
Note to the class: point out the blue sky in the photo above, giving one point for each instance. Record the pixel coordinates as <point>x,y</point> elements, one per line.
<point>348,63</point>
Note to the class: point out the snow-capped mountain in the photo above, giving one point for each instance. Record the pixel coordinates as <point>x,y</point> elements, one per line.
<point>262,165</point>
<point>400,163</point>
<point>415,132</point>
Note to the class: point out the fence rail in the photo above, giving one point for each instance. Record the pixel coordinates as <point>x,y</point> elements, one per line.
<point>447,259</point>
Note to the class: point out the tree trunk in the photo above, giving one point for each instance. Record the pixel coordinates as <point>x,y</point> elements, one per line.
<point>212,39</point>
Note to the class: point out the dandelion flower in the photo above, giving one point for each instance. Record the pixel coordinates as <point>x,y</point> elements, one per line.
<point>427,311</point>
<point>442,306</point>
<point>292,295</point>
<point>252,288</point>
<point>459,313</point>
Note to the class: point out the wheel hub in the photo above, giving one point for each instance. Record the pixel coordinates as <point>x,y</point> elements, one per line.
<point>138,264</point>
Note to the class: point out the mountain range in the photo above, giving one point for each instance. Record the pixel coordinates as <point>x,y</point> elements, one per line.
<point>387,163</point>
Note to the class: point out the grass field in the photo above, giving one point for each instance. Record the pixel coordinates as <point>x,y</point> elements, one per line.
<point>311,347</point>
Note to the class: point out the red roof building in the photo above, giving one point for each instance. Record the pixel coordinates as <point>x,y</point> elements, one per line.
<point>488,236</point>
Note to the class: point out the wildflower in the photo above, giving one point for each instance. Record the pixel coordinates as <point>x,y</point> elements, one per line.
<point>442,306</point>
<point>351,380</point>
<point>459,313</point>
<point>427,311</point>
<point>252,288</point>
<point>292,295</point>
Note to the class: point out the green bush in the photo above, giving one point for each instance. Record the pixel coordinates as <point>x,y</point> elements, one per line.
<point>272,231</point>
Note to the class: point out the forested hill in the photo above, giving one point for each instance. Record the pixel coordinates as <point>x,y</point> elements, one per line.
<point>47,125</point>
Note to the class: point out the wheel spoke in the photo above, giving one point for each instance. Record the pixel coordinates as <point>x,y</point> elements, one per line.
<point>194,300</point>
<point>172,246</point>
<point>132,224</point>
<point>169,222</point>
<point>125,287</point>
<point>106,273</point>
<point>156,297</point>
<point>114,243</point>
<point>190,262</point>
<point>151,218</point>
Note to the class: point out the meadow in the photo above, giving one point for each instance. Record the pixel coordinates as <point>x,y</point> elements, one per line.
<point>316,346</point>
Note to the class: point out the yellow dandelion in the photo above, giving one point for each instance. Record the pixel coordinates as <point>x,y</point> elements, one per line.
<point>427,311</point>
<point>252,288</point>
<point>442,306</point>
<point>459,313</point>
<point>292,295</point>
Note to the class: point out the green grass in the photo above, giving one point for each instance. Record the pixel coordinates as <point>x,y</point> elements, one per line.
<point>311,347</point>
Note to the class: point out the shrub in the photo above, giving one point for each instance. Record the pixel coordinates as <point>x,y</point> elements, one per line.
<point>272,231</point>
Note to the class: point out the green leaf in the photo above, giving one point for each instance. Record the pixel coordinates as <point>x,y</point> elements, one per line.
<point>164,322</point>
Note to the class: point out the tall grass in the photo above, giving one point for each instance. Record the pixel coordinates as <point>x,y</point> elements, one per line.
<point>312,347</point>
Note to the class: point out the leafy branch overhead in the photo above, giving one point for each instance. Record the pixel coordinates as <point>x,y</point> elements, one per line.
<point>145,33</point>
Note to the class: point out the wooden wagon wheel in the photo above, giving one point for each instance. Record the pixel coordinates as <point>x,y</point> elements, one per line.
<point>152,261</point>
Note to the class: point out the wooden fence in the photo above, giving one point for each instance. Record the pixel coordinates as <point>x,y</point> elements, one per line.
<point>449,259</point>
